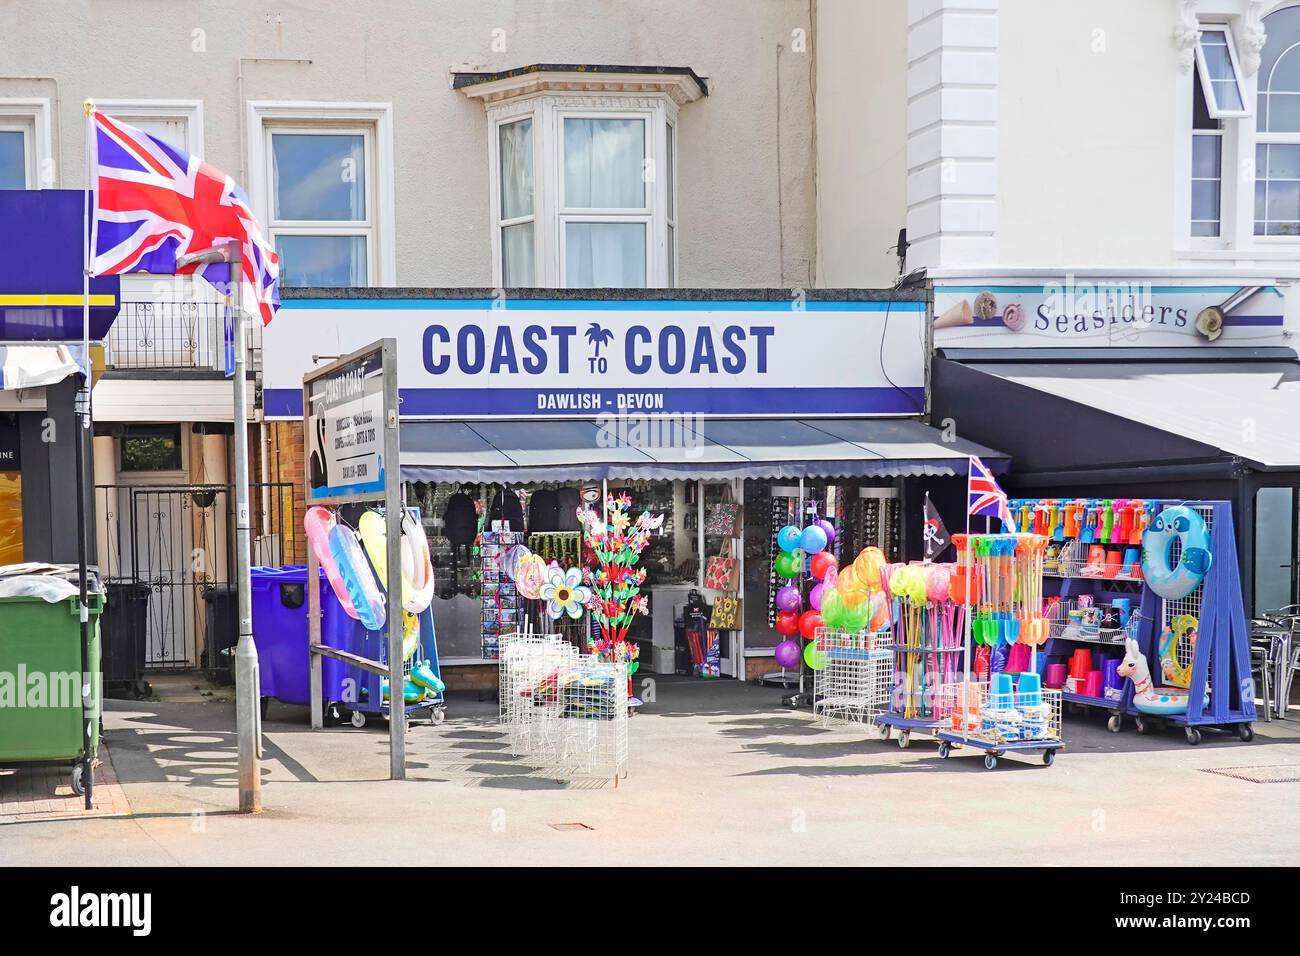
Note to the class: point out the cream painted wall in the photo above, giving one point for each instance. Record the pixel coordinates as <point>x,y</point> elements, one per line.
<point>861,139</point>
<point>746,192</point>
<point>1087,139</point>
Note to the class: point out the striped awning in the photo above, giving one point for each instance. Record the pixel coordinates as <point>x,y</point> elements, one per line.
<point>710,449</point>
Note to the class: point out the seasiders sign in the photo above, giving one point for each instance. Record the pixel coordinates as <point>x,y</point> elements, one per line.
<point>465,358</point>
<point>1108,312</point>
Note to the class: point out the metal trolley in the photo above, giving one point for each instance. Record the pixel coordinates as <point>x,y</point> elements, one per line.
<point>1001,721</point>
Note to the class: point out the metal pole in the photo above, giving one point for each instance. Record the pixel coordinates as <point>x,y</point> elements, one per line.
<point>247,681</point>
<point>82,424</point>
<point>393,518</point>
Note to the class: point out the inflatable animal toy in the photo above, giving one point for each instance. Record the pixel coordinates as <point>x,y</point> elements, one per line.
<point>1148,698</point>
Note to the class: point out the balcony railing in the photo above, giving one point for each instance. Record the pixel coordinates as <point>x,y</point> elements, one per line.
<point>172,335</point>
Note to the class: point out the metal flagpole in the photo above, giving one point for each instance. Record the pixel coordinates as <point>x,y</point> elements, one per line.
<point>248,714</point>
<point>247,682</point>
<point>88,680</point>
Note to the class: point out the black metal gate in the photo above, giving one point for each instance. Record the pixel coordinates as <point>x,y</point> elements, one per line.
<point>180,541</point>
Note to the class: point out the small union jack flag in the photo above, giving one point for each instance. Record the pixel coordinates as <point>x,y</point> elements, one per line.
<point>984,496</point>
<point>154,203</point>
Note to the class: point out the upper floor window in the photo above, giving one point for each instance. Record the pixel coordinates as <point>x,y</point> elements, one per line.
<point>322,183</point>
<point>320,211</point>
<point>1277,140</point>
<point>1216,61</point>
<point>26,159</point>
<point>1207,165</point>
<point>584,171</point>
<point>15,158</point>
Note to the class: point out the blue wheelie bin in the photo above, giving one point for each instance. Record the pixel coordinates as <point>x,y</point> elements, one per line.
<point>280,633</point>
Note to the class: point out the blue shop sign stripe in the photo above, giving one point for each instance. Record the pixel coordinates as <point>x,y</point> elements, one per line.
<point>588,403</point>
<point>600,305</point>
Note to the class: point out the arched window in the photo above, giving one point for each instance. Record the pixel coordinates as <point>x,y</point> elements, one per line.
<point>1277,151</point>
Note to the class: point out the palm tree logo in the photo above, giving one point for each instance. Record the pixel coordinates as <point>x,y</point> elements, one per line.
<point>598,337</point>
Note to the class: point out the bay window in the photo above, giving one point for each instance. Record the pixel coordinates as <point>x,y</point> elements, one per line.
<point>584,174</point>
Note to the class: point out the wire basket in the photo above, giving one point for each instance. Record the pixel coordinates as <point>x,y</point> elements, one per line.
<point>1004,717</point>
<point>1102,562</point>
<point>580,721</point>
<point>526,658</point>
<point>853,684</point>
<point>1067,620</point>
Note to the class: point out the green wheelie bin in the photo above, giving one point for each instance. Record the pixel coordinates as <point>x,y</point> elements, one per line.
<point>41,682</point>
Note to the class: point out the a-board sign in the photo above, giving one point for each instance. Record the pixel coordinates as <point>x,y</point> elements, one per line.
<point>346,407</point>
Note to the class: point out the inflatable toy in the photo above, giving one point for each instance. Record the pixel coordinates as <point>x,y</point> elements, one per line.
<point>821,564</point>
<point>832,608</point>
<point>813,539</point>
<point>412,693</point>
<point>1184,525</point>
<point>317,523</point>
<point>809,621</point>
<point>415,549</point>
<point>787,654</point>
<point>789,564</point>
<point>422,675</point>
<point>357,577</point>
<point>1182,627</point>
<point>788,598</point>
<point>417,567</point>
<point>1147,698</point>
<point>530,575</point>
<point>814,658</point>
<point>788,538</point>
<point>787,623</point>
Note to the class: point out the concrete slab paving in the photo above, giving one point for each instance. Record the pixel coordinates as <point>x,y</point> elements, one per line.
<point>720,774</point>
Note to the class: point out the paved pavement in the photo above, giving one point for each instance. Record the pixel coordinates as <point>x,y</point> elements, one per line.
<point>720,773</point>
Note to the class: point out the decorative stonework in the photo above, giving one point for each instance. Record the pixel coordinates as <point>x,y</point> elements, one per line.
<point>1186,32</point>
<point>1250,43</point>
<point>680,88</point>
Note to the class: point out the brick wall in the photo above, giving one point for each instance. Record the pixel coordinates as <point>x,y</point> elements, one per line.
<point>756,667</point>
<point>471,677</point>
<point>285,465</point>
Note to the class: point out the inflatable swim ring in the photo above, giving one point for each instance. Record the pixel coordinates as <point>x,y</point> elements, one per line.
<point>417,567</point>
<point>358,578</point>
<point>1182,524</point>
<point>317,523</point>
<point>1182,627</point>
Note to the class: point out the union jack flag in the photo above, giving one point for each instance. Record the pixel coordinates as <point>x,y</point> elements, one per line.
<point>154,203</point>
<point>984,497</point>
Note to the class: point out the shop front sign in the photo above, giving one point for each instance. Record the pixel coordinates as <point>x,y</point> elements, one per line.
<point>542,357</point>
<point>1096,312</point>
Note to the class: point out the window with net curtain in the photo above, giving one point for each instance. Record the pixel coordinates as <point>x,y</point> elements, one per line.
<point>13,159</point>
<point>518,222</point>
<point>1277,149</point>
<point>605,219</point>
<point>320,220</point>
